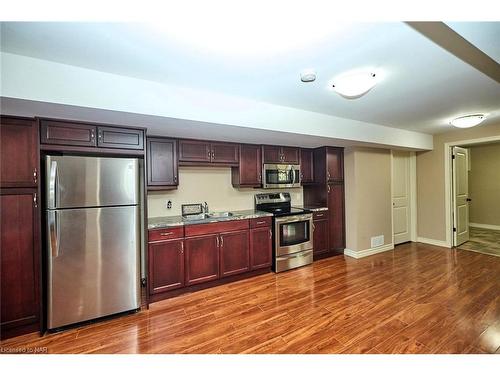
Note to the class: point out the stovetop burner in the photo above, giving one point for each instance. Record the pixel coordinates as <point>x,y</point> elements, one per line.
<point>279,204</point>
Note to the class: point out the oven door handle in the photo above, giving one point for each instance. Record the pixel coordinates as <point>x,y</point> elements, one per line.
<point>298,255</point>
<point>291,219</point>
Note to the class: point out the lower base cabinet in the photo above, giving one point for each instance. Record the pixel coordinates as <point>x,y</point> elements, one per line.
<point>206,252</point>
<point>20,262</point>
<point>202,258</point>
<point>261,247</point>
<point>166,265</point>
<point>234,253</point>
<point>320,237</point>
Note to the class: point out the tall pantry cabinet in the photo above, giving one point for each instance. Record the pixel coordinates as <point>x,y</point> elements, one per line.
<point>19,226</point>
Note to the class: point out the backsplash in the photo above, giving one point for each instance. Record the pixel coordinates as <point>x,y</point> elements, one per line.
<point>211,185</point>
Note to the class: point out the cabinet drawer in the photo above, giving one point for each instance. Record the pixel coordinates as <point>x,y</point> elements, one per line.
<point>320,215</point>
<point>120,138</point>
<point>165,234</point>
<point>220,227</point>
<point>261,222</point>
<point>67,133</point>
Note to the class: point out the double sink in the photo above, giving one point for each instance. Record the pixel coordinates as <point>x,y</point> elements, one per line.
<point>207,215</point>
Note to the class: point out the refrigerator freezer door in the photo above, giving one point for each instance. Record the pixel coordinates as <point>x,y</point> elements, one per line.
<point>77,181</point>
<point>94,271</point>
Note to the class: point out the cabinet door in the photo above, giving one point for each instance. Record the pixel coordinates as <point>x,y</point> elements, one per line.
<point>202,258</point>
<point>271,154</point>
<point>166,265</point>
<point>249,172</point>
<point>194,151</point>
<point>306,166</point>
<point>320,236</point>
<point>225,153</point>
<point>19,153</point>
<point>20,262</point>
<point>67,133</point>
<point>336,215</point>
<point>290,155</point>
<point>234,253</point>
<point>334,164</point>
<point>162,162</point>
<point>261,248</point>
<point>111,137</point>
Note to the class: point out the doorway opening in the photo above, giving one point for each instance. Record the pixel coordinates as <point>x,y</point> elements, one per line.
<point>474,196</point>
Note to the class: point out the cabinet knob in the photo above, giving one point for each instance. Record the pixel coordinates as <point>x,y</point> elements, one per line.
<point>175,178</point>
<point>270,234</point>
<point>35,175</point>
<point>328,172</point>
<point>328,188</point>
<point>35,200</point>
<point>182,247</point>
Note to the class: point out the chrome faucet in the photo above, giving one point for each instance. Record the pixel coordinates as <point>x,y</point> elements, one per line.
<point>205,207</point>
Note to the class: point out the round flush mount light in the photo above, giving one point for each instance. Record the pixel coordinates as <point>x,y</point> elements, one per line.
<point>354,85</point>
<point>468,121</point>
<point>308,75</point>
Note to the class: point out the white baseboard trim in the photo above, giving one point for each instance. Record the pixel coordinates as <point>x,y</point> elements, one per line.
<point>430,241</point>
<point>484,226</point>
<point>368,252</point>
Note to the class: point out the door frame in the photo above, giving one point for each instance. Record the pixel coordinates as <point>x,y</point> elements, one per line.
<point>413,196</point>
<point>448,180</point>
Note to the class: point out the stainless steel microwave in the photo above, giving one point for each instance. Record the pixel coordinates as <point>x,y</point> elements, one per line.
<point>281,176</point>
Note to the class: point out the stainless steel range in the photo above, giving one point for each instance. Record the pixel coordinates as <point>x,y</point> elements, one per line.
<point>292,231</point>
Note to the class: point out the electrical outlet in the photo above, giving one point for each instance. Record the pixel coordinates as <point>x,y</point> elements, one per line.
<point>377,241</point>
<point>169,204</point>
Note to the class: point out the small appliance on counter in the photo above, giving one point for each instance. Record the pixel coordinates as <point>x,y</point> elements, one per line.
<point>292,231</point>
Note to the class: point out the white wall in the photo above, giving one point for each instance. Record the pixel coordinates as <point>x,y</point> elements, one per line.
<point>211,185</point>
<point>41,80</point>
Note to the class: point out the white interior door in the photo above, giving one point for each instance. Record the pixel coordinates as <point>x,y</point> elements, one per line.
<point>460,195</point>
<point>401,201</point>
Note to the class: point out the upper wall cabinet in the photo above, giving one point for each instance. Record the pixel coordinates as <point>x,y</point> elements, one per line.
<point>249,171</point>
<point>162,165</point>
<point>281,154</point>
<point>19,147</point>
<point>193,152</point>
<point>68,133</point>
<point>329,164</point>
<point>306,166</point>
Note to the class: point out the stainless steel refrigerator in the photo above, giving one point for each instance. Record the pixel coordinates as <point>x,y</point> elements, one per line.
<point>93,237</point>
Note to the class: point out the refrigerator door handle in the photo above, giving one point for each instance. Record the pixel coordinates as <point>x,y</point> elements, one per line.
<point>53,184</point>
<point>53,224</point>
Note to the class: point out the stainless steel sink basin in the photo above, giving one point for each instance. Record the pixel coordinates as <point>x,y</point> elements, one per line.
<point>195,217</point>
<point>220,214</point>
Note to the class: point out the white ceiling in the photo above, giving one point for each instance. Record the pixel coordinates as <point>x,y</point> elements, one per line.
<point>422,86</point>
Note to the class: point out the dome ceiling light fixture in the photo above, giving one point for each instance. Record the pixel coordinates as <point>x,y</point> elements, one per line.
<point>353,85</point>
<point>308,75</point>
<point>468,121</point>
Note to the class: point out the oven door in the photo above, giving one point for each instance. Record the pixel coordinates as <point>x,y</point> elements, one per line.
<point>281,176</point>
<point>293,234</point>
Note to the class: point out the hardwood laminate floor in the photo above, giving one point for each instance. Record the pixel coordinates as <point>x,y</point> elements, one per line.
<point>486,241</point>
<point>415,299</point>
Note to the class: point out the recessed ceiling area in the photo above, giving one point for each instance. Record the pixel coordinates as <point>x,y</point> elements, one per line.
<point>420,87</point>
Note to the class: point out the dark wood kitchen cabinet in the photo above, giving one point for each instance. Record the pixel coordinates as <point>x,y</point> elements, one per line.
<point>166,265</point>
<point>162,163</point>
<point>261,247</point>
<point>321,233</point>
<point>328,191</point>
<point>202,258</point>
<point>306,166</point>
<point>19,152</point>
<point>68,135</point>
<point>117,137</point>
<point>336,215</point>
<point>234,253</point>
<point>20,262</point>
<point>192,152</point>
<point>19,227</point>
<point>281,154</point>
<point>249,171</point>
